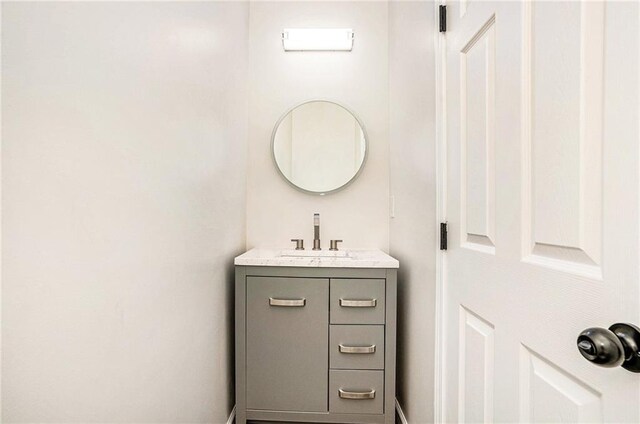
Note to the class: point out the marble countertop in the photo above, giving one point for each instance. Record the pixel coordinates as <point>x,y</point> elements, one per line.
<point>348,258</point>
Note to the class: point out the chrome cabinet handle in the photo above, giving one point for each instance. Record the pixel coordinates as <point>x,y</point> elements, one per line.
<point>356,349</point>
<point>358,303</point>
<point>287,302</point>
<point>344,394</point>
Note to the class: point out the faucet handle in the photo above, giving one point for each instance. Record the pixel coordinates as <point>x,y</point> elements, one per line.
<point>334,244</point>
<point>299,244</point>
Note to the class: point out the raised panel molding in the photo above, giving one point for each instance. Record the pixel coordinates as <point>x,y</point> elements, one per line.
<point>464,4</point>
<point>477,132</point>
<point>475,368</point>
<point>550,394</point>
<point>562,121</point>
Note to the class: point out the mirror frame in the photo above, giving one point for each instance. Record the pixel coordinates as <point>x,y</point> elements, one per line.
<point>343,186</point>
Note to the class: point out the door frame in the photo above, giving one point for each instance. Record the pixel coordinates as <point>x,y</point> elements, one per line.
<point>440,41</point>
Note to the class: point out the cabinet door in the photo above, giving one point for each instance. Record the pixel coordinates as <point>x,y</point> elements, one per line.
<point>287,343</point>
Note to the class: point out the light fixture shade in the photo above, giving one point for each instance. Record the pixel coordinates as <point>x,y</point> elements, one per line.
<point>321,39</point>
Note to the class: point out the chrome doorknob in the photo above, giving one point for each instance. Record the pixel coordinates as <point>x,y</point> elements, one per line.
<point>601,346</point>
<point>617,346</point>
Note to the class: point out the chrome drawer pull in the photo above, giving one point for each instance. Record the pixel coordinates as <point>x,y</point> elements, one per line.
<point>357,349</point>
<point>287,302</point>
<point>344,394</point>
<point>358,303</point>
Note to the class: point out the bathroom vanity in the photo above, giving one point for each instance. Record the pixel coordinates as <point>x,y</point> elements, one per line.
<point>315,336</point>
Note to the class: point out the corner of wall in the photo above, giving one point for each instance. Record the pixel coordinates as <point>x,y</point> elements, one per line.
<point>412,128</point>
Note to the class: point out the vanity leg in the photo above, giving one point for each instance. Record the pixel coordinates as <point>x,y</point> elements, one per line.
<point>241,417</point>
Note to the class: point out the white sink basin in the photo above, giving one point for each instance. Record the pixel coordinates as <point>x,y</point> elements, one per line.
<point>348,258</point>
<point>314,254</point>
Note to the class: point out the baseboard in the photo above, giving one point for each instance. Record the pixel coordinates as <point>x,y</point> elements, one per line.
<point>400,414</point>
<point>232,415</point>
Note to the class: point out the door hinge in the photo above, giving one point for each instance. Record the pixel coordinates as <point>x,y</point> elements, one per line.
<point>444,232</point>
<point>443,18</point>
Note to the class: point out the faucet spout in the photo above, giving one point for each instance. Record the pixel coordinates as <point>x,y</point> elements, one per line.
<point>316,231</point>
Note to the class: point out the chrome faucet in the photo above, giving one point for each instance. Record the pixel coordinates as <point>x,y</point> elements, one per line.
<point>316,231</point>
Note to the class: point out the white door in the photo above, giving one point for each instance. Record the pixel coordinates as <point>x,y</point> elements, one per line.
<point>543,184</point>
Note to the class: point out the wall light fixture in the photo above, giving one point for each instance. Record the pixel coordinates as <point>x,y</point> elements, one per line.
<point>321,39</point>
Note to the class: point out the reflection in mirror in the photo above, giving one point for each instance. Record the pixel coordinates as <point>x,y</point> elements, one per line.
<point>319,146</point>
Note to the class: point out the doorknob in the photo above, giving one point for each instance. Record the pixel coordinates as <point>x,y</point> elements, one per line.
<point>619,345</point>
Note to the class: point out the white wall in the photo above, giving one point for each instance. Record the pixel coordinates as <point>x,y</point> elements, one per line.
<point>278,80</point>
<point>413,230</point>
<point>124,162</point>
<point>123,205</point>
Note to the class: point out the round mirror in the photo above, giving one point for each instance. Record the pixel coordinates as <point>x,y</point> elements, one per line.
<point>319,146</point>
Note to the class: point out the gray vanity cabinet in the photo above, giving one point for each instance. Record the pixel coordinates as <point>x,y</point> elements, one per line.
<point>315,345</point>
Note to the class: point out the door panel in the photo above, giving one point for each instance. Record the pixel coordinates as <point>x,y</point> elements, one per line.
<point>563,55</point>
<point>475,363</point>
<point>550,394</point>
<point>288,329</point>
<point>477,131</point>
<point>542,127</point>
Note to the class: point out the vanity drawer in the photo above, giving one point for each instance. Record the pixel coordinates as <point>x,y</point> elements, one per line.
<point>356,392</point>
<point>359,347</point>
<point>357,301</point>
